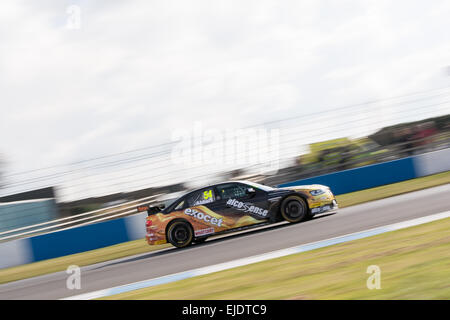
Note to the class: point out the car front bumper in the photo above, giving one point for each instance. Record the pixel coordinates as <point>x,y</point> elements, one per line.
<point>332,206</point>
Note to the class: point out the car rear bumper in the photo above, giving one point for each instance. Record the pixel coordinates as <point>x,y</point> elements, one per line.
<point>154,239</point>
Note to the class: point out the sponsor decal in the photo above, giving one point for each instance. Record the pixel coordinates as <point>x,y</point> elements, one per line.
<point>203,232</point>
<point>203,201</point>
<point>247,207</point>
<point>203,216</point>
<point>321,209</point>
<point>207,197</point>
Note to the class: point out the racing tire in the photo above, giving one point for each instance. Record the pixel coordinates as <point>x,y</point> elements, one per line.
<point>294,209</point>
<point>180,234</point>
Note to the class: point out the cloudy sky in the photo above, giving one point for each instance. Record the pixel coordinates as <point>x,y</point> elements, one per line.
<point>82,79</point>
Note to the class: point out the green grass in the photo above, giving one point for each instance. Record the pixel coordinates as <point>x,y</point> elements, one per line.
<point>140,246</point>
<point>414,264</point>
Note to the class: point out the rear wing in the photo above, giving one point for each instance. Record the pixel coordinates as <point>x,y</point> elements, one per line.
<point>150,208</point>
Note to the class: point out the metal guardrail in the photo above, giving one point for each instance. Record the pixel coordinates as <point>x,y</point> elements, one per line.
<point>90,217</point>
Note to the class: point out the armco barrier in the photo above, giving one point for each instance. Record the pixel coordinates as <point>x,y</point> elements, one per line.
<point>102,234</point>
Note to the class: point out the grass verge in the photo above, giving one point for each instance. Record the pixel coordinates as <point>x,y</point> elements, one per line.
<point>414,264</point>
<point>140,246</point>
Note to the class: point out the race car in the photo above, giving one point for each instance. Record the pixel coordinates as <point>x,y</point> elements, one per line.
<point>233,206</point>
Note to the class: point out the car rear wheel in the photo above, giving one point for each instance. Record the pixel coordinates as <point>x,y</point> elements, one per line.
<point>180,234</point>
<point>294,209</point>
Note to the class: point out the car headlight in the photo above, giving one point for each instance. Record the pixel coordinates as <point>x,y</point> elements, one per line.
<point>316,192</point>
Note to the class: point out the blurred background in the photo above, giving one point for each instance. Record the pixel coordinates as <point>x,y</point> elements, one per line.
<point>93,96</point>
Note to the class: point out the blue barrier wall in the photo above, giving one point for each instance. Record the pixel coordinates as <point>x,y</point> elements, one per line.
<point>80,239</point>
<point>364,177</point>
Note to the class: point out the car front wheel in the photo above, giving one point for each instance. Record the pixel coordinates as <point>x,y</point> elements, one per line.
<point>294,209</point>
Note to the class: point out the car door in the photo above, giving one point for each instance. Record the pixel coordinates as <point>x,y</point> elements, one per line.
<point>234,199</point>
<point>198,207</point>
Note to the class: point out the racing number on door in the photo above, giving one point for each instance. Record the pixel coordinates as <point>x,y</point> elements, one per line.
<point>207,194</point>
<point>201,197</point>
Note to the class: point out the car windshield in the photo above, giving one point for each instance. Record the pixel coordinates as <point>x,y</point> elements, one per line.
<point>258,186</point>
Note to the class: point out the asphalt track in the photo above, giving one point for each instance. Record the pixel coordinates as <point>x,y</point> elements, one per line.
<point>155,264</point>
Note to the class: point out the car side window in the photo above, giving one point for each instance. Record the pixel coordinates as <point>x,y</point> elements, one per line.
<point>201,197</point>
<point>179,206</point>
<point>231,190</point>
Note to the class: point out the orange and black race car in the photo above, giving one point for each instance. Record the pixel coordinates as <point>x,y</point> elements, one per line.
<point>232,206</point>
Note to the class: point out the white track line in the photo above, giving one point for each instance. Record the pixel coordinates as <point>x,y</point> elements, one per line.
<point>257,258</point>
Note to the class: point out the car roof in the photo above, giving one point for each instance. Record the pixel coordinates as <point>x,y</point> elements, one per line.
<point>208,186</point>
